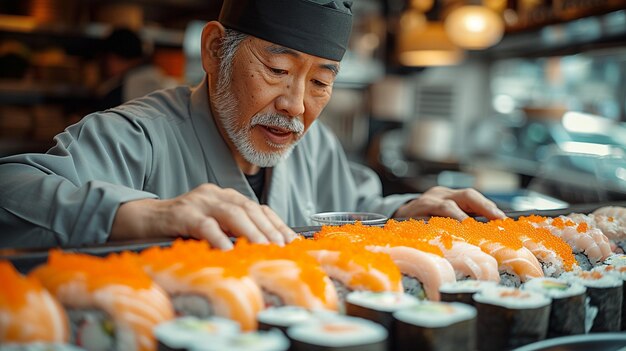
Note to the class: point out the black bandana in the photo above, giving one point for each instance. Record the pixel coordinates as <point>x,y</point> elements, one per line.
<point>316,27</point>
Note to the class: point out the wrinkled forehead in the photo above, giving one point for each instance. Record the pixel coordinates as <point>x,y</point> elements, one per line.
<point>314,27</point>
<point>272,49</point>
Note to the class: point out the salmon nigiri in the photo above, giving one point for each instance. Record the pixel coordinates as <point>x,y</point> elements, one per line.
<point>422,265</point>
<point>551,251</point>
<point>28,313</point>
<point>353,267</point>
<point>467,260</point>
<point>111,302</point>
<point>204,282</point>
<point>286,276</point>
<point>516,263</point>
<point>589,245</point>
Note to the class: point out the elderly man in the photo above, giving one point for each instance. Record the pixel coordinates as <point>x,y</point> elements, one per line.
<point>238,155</point>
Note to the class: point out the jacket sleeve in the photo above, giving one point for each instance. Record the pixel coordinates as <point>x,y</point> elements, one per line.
<point>69,195</point>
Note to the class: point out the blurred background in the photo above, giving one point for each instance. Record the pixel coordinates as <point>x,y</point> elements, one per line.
<point>524,100</point>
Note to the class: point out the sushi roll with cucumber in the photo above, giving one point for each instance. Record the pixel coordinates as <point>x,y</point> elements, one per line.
<point>181,334</point>
<point>379,307</point>
<point>463,290</point>
<point>509,317</point>
<point>620,273</point>
<point>28,313</point>
<point>567,313</point>
<point>436,326</point>
<point>605,292</point>
<point>111,302</point>
<point>338,333</point>
<point>272,340</point>
<point>202,282</point>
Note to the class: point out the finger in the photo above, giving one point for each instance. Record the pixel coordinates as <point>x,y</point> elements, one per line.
<point>449,208</point>
<point>265,224</point>
<point>209,230</point>
<point>288,234</point>
<point>473,201</point>
<point>235,220</point>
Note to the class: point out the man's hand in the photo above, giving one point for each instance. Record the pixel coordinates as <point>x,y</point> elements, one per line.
<point>207,212</point>
<point>445,202</point>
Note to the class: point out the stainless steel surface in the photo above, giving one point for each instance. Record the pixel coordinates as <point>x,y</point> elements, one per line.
<point>339,218</point>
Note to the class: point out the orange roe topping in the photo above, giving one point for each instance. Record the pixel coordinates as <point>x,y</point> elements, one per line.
<point>350,255</point>
<point>527,233</point>
<point>558,222</point>
<point>376,236</point>
<point>533,219</point>
<point>190,256</point>
<point>95,272</point>
<point>15,287</point>
<point>582,227</point>
<point>610,219</point>
<point>310,271</point>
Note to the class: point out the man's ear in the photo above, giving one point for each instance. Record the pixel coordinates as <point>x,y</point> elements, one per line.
<point>212,36</point>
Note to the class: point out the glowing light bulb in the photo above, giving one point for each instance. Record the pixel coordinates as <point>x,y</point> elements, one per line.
<point>474,27</point>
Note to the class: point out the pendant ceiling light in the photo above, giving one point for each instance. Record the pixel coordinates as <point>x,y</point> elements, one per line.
<point>474,27</point>
<point>428,46</point>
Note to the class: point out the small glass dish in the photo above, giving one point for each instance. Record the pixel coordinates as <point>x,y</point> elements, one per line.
<point>340,218</point>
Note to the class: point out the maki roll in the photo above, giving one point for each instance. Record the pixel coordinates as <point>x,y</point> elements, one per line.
<point>509,317</point>
<point>463,290</point>
<point>378,307</point>
<point>606,294</point>
<point>202,282</point>
<point>272,340</point>
<point>338,333</point>
<point>182,333</point>
<point>439,326</point>
<point>28,312</point>
<point>111,302</point>
<point>619,272</point>
<point>567,314</point>
<point>283,317</point>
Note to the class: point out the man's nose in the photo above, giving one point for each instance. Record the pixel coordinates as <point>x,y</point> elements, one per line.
<point>291,101</point>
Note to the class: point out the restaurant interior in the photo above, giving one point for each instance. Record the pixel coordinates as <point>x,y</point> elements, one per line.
<point>524,100</point>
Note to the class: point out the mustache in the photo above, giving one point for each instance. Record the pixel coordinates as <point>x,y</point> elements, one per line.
<point>293,125</point>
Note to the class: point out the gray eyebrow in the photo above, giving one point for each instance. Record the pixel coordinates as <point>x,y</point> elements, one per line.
<point>281,50</point>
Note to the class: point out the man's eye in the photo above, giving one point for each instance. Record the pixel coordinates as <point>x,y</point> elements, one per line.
<point>320,83</point>
<point>277,70</point>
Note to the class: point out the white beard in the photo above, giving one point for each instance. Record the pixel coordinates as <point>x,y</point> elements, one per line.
<point>225,105</point>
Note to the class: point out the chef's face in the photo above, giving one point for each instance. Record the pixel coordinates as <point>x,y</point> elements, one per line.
<point>269,98</point>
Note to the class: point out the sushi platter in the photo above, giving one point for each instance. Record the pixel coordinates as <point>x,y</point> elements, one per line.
<point>536,281</point>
